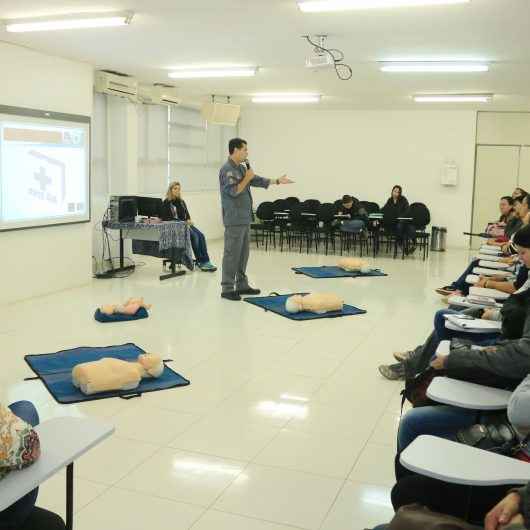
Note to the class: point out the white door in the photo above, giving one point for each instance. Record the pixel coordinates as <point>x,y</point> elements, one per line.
<point>496,175</point>
<point>524,168</point>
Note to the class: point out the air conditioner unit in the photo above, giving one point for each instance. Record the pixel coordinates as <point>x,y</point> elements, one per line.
<point>158,94</point>
<point>221,113</point>
<point>117,84</point>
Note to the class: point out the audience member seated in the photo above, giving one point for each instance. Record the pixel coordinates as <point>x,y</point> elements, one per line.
<point>174,207</point>
<point>19,448</point>
<point>357,216</point>
<point>510,513</point>
<point>514,226</point>
<point>397,206</point>
<point>413,362</point>
<point>461,288</point>
<point>445,421</point>
<point>508,223</point>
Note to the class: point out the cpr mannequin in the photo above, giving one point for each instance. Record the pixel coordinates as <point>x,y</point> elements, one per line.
<point>315,303</point>
<point>130,307</point>
<point>354,265</point>
<point>114,374</point>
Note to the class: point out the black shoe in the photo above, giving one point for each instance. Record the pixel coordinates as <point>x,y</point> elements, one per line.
<point>248,290</point>
<point>231,295</point>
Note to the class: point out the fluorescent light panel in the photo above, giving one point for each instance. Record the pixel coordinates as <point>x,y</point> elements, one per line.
<point>203,73</point>
<point>81,21</point>
<point>318,6</point>
<point>286,98</point>
<point>453,98</point>
<point>433,67</point>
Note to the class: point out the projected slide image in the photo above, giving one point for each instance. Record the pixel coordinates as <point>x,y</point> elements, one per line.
<point>43,172</point>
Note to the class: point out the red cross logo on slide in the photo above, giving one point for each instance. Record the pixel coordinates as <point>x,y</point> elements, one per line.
<point>42,178</point>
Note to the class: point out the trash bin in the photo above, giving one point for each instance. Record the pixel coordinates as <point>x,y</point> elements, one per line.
<point>438,238</point>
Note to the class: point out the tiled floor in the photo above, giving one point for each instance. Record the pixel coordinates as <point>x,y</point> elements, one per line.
<point>285,425</point>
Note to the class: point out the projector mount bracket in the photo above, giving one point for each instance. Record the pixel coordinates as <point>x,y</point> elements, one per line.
<point>343,70</point>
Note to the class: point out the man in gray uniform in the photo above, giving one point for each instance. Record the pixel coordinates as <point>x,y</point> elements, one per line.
<point>235,179</point>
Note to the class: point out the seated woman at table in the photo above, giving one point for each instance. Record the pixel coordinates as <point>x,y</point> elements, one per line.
<point>174,208</point>
<point>515,224</point>
<point>397,206</point>
<point>19,448</point>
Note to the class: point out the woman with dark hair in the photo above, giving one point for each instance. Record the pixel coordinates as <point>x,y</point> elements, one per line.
<point>506,209</point>
<point>509,218</point>
<point>397,206</point>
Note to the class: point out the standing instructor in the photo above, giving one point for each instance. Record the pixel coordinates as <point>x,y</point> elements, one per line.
<point>235,179</point>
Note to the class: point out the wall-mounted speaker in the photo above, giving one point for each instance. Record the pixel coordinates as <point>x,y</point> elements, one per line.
<point>221,113</point>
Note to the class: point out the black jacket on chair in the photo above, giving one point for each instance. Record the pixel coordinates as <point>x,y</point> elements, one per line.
<point>176,209</point>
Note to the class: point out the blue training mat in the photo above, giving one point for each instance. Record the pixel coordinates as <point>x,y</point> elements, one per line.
<point>55,371</point>
<point>276,304</point>
<point>335,272</point>
<point>118,317</point>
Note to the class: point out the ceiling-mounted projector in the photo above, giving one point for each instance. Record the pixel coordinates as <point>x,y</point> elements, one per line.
<point>321,58</point>
<point>320,61</point>
<point>324,57</point>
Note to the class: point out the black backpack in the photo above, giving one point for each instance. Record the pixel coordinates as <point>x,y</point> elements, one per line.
<point>514,311</point>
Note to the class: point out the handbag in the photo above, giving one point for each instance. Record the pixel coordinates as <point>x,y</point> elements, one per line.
<point>494,434</point>
<point>418,517</point>
<point>415,390</point>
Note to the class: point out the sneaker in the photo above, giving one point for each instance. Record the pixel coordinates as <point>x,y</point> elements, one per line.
<point>447,290</point>
<point>231,295</point>
<point>207,267</point>
<point>392,372</point>
<point>402,356</point>
<point>248,290</point>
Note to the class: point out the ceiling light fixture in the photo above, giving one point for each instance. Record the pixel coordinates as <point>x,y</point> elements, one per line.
<point>80,21</point>
<point>453,98</point>
<point>286,98</point>
<point>319,6</point>
<point>204,73</point>
<point>433,67</point>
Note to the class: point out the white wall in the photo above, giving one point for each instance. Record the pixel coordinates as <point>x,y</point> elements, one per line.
<point>364,153</point>
<point>503,128</point>
<point>42,260</point>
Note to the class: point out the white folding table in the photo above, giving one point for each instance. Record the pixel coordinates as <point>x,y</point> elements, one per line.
<point>462,464</point>
<point>467,395</point>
